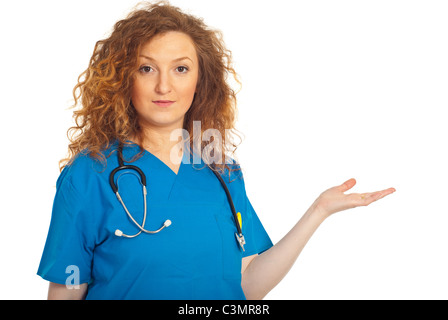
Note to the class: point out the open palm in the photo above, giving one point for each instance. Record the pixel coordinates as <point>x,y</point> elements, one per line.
<point>335,199</point>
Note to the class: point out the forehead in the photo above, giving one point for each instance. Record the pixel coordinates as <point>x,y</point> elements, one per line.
<point>169,46</point>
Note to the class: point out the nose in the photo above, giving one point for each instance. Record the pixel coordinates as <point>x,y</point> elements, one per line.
<point>163,85</point>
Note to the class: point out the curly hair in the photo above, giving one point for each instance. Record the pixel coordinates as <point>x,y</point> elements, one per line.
<point>104,88</point>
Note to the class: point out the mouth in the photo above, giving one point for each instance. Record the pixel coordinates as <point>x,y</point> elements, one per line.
<point>163,103</point>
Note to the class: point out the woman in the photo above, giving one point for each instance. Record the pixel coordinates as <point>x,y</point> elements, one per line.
<point>162,72</point>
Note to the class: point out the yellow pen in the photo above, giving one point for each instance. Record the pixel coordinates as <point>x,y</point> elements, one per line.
<point>240,220</point>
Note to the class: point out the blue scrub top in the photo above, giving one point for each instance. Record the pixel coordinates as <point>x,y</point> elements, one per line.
<point>197,257</point>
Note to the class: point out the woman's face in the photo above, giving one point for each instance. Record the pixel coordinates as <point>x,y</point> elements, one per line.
<point>165,83</point>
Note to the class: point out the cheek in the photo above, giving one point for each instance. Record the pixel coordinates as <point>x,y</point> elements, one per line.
<point>137,92</point>
<point>188,90</point>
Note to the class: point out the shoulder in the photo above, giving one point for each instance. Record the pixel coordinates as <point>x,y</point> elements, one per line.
<point>234,172</point>
<point>85,170</point>
<point>233,177</point>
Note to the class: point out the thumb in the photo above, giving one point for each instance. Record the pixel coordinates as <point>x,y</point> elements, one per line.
<point>347,185</point>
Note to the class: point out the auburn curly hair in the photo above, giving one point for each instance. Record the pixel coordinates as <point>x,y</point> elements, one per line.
<point>104,89</point>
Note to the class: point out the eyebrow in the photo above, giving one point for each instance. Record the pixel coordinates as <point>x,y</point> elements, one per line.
<point>175,60</point>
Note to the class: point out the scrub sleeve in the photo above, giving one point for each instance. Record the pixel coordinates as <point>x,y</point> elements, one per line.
<point>70,241</point>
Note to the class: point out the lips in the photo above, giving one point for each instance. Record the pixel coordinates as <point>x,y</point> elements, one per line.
<point>163,103</point>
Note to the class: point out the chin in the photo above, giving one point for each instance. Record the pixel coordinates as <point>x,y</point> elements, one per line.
<point>163,122</point>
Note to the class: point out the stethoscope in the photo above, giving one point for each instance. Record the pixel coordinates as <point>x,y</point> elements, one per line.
<point>142,178</point>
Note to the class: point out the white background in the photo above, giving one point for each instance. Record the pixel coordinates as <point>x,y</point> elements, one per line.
<point>331,90</point>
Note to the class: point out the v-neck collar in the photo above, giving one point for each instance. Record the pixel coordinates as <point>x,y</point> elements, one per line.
<point>163,164</point>
<point>186,158</point>
<point>186,176</point>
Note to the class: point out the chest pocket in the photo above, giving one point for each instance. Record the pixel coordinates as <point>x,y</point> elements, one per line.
<point>208,238</point>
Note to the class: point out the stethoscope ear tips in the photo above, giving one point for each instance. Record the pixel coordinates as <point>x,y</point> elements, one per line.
<point>118,233</point>
<point>167,223</point>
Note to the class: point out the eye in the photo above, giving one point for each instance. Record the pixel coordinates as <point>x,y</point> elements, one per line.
<point>182,69</point>
<point>145,69</point>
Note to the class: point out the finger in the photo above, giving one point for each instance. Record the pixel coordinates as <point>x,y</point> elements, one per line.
<point>347,185</point>
<point>367,198</point>
<point>381,194</point>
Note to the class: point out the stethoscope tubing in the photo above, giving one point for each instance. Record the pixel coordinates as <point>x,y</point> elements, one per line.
<point>229,199</point>
<point>167,223</point>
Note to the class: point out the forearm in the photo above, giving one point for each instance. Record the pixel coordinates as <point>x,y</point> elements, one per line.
<point>266,270</point>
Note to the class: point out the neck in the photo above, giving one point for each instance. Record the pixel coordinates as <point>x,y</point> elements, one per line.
<point>158,139</point>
